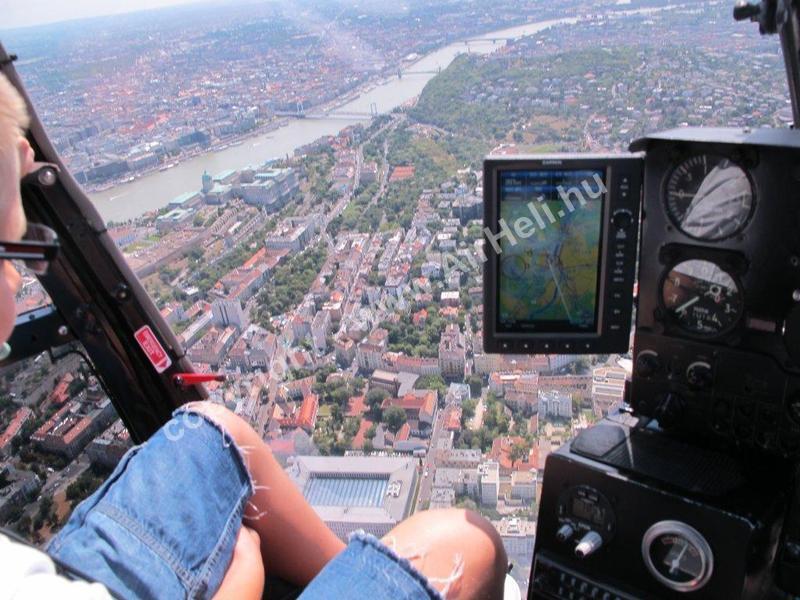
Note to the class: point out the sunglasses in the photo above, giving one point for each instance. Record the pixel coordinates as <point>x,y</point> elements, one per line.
<point>36,250</point>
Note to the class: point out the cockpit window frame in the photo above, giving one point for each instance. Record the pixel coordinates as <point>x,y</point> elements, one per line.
<point>97,296</point>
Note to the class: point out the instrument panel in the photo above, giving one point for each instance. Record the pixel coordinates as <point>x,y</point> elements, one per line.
<point>719,286</point>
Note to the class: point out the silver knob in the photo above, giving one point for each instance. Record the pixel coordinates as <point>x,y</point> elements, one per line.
<point>564,533</point>
<point>589,544</point>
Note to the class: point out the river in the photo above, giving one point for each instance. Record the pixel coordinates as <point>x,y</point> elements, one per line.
<point>155,190</point>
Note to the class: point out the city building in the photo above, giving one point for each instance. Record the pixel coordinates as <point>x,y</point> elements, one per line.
<point>357,492</point>
<point>187,200</point>
<point>320,328</point>
<point>229,313</point>
<point>523,486</point>
<point>452,353</point>
<point>71,428</point>
<point>21,416</point>
<point>345,350</point>
<point>303,416</point>
<point>554,403</point>
<point>175,218</point>
<point>20,486</point>
<point>293,235</point>
<point>270,189</point>
<point>369,353</point>
<point>107,449</point>
<point>489,479</point>
<point>608,390</point>
<point>385,380</point>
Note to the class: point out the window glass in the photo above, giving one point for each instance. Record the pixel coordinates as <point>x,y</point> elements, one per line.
<point>59,439</point>
<point>298,186</point>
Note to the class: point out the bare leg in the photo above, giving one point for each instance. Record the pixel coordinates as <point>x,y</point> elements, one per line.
<point>295,543</point>
<point>459,552</point>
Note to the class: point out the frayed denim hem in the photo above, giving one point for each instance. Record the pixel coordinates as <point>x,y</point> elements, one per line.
<point>371,540</point>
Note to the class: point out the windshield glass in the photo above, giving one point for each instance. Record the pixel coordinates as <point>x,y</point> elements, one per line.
<point>298,186</point>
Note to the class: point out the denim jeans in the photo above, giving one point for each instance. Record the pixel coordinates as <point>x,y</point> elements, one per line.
<point>164,525</point>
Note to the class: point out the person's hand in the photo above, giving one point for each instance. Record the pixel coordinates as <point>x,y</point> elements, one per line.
<point>245,575</point>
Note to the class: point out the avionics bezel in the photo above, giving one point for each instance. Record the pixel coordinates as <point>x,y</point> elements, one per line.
<point>621,205</point>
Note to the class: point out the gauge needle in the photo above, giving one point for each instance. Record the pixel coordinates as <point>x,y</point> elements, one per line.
<point>676,562</point>
<point>688,304</point>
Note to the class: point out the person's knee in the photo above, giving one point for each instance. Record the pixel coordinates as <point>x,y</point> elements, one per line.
<point>241,432</point>
<point>456,549</point>
<point>475,531</point>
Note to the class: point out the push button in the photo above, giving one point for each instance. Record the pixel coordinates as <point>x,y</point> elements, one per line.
<point>622,219</point>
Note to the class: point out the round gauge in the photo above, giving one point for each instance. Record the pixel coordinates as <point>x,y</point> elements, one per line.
<point>702,298</point>
<point>678,556</point>
<point>709,198</point>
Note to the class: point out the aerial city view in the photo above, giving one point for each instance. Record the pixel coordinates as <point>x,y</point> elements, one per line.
<point>298,185</point>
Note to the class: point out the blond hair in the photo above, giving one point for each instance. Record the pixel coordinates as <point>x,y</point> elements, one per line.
<point>13,115</point>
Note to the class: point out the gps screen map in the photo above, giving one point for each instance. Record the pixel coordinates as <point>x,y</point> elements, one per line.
<point>549,281</point>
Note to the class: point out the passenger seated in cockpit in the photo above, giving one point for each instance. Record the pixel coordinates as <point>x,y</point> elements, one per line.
<point>204,510</point>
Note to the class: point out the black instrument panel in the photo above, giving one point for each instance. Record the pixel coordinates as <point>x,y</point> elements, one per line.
<point>716,347</point>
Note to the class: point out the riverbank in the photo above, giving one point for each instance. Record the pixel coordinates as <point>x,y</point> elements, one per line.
<point>156,190</point>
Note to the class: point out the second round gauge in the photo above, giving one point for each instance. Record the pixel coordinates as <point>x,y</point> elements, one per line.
<point>702,298</point>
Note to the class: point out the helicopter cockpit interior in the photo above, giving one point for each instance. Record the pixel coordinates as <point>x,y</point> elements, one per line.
<point>699,475</point>
<point>686,249</point>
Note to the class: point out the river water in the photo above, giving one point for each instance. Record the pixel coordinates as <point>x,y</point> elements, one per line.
<point>155,190</point>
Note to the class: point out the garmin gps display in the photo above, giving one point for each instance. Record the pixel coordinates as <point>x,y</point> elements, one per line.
<point>560,239</point>
<point>549,262</point>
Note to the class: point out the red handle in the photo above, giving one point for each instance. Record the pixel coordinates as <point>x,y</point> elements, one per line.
<point>187,379</point>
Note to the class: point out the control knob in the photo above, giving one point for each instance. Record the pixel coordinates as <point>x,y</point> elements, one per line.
<point>670,410</point>
<point>589,544</point>
<point>564,533</point>
<point>647,364</point>
<point>699,375</point>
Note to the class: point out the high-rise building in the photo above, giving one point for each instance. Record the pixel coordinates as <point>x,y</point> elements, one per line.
<point>229,312</point>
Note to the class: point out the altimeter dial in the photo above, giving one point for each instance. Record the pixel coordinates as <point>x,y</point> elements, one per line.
<point>702,298</point>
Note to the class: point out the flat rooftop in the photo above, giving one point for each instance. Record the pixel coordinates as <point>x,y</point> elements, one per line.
<point>356,490</point>
<point>328,490</point>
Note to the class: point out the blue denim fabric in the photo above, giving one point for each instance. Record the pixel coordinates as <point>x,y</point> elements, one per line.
<point>368,569</point>
<point>165,522</point>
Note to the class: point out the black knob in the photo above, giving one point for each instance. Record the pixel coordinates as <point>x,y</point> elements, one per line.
<point>699,375</point>
<point>647,364</point>
<point>622,219</point>
<point>793,408</point>
<point>669,411</point>
<point>744,10</point>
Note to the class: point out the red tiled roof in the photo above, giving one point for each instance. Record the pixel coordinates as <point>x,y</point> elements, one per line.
<point>404,433</point>
<point>22,415</point>
<point>356,406</point>
<point>402,173</point>
<point>360,437</point>
<point>307,417</point>
<point>255,259</point>
<point>501,452</point>
<point>452,418</point>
